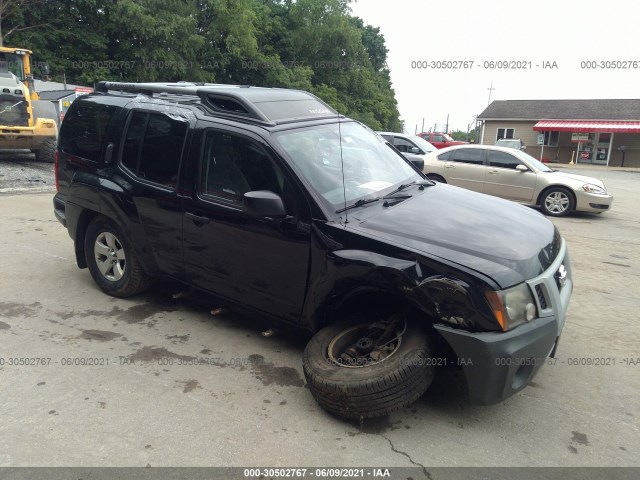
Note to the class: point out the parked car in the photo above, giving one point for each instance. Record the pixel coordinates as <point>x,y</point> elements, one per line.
<point>440,140</point>
<point>511,143</point>
<point>411,146</point>
<point>269,199</point>
<point>515,175</point>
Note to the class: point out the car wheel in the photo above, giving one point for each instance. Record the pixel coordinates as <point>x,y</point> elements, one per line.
<point>436,178</point>
<point>557,202</point>
<point>111,261</point>
<point>352,376</point>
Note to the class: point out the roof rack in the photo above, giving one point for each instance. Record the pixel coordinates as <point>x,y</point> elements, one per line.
<point>270,106</point>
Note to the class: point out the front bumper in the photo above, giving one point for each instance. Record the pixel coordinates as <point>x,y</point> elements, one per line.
<point>591,202</point>
<point>496,365</point>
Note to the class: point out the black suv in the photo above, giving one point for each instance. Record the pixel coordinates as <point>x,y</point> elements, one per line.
<point>271,199</point>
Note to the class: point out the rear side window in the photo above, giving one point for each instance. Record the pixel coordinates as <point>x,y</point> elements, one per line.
<point>153,147</point>
<point>84,128</point>
<point>474,156</point>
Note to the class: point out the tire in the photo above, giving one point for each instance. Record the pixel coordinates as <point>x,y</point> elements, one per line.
<point>557,202</point>
<point>46,152</point>
<point>372,390</point>
<point>436,178</point>
<point>122,276</point>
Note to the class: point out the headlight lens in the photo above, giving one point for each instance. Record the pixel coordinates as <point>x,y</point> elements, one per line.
<point>513,306</point>
<point>589,188</point>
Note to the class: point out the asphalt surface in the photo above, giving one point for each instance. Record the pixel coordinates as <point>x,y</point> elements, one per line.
<point>162,382</point>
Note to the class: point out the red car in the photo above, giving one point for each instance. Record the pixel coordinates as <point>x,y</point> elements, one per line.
<point>440,140</point>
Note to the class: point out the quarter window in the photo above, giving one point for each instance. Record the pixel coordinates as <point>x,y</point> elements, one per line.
<point>474,156</point>
<point>505,133</point>
<point>84,128</point>
<point>153,147</point>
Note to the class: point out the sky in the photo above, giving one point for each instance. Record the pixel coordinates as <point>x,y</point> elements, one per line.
<point>534,34</point>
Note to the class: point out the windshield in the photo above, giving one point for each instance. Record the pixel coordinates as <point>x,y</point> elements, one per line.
<point>324,153</point>
<point>10,62</point>
<point>532,161</point>
<point>422,143</point>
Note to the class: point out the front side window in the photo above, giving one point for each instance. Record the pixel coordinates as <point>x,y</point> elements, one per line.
<point>505,133</point>
<point>233,165</point>
<point>502,159</point>
<point>474,156</point>
<point>403,145</point>
<point>153,147</point>
<point>345,162</point>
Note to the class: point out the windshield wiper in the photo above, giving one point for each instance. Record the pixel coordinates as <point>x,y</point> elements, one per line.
<point>422,184</point>
<point>359,203</point>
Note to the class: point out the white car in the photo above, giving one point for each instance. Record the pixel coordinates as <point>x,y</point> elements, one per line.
<point>515,175</point>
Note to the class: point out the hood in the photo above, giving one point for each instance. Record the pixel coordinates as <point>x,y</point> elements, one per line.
<point>577,179</point>
<point>500,239</point>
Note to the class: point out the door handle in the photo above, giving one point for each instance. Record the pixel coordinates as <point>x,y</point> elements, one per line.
<point>196,218</point>
<point>449,165</point>
<point>494,172</point>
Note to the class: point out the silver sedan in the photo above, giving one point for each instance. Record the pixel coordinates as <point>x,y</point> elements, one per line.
<point>517,176</point>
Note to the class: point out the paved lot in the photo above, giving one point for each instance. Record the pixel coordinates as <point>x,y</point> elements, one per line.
<point>146,403</point>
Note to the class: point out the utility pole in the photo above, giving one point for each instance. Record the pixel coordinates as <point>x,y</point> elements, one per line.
<point>490,90</point>
<point>446,129</point>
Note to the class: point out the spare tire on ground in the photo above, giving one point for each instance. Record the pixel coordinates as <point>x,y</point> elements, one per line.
<point>352,376</point>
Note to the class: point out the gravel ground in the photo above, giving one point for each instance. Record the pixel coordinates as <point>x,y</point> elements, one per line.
<point>19,172</point>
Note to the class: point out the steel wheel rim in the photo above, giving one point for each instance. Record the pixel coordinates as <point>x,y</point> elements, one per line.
<point>557,202</point>
<point>350,336</point>
<point>110,257</point>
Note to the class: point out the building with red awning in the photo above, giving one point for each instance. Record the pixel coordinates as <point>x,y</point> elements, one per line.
<point>595,131</point>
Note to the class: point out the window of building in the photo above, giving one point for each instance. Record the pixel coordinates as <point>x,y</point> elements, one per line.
<point>153,147</point>
<point>505,133</point>
<point>551,139</point>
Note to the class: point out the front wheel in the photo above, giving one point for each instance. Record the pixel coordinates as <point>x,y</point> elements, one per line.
<point>359,369</point>
<point>557,202</point>
<point>111,261</point>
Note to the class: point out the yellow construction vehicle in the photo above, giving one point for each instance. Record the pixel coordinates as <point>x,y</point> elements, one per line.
<point>26,122</point>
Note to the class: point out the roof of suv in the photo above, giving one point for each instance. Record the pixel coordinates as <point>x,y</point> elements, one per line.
<point>270,106</point>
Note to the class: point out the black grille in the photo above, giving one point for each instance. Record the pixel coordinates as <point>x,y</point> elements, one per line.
<point>541,299</point>
<point>13,111</point>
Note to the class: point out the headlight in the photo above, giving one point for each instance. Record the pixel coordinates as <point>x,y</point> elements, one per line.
<point>589,188</point>
<point>513,306</point>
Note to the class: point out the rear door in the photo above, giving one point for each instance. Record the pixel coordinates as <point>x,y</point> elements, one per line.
<point>465,168</point>
<point>504,180</point>
<point>150,159</point>
<point>260,262</point>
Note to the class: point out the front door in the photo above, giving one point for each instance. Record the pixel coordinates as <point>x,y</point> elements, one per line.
<point>260,262</point>
<point>504,180</point>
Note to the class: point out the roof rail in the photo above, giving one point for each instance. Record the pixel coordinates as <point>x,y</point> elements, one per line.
<point>270,106</point>
<point>215,96</point>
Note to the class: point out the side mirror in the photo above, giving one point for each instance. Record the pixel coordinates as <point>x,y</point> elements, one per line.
<point>522,168</point>
<point>264,203</point>
<point>523,147</point>
<point>414,150</point>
